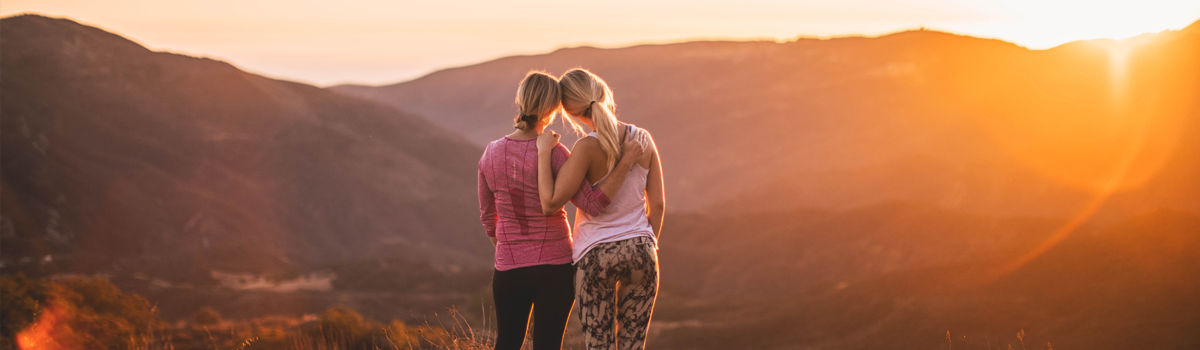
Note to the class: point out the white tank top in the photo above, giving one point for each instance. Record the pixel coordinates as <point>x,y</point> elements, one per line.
<point>624,218</point>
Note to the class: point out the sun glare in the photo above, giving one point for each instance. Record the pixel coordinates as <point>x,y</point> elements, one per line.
<point>1041,24</point>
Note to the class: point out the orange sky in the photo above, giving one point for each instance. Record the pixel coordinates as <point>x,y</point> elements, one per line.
<point>386,41</point>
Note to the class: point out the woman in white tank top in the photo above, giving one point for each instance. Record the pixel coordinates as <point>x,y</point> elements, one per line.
<point>615,252</point>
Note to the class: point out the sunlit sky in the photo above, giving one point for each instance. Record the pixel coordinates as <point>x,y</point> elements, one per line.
<point>378,41</point>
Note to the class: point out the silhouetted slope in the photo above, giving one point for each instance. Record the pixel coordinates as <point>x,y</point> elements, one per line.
<point>778,254</point>
<point>973,124</point>
<point>1129,285</point>
<point>117,158</point>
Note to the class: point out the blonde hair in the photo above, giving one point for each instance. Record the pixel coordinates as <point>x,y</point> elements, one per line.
<point>538,98</point>
<point>586,95</point>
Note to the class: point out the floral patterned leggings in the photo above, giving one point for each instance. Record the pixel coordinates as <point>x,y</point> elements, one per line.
<point>616,284</point>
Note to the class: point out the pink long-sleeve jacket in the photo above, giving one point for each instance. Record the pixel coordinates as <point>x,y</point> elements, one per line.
<point>511,210</point>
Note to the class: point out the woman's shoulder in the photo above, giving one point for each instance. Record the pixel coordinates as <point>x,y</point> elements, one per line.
<point>500,142</point>
<point>641,135</point>
<point>638,130</point>
<point>559,147</point>
<point>560,152</point>
<point>488,150</point>
<point>491,145</point>
<point>585,144</point>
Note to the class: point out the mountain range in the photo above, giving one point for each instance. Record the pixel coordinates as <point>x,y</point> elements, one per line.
<point>972,124</point>
<point>119,158</point>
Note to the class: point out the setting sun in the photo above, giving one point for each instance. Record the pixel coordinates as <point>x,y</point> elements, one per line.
<point>1042,24</point>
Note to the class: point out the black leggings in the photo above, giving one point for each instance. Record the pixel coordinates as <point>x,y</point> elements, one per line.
<point>549,289</point>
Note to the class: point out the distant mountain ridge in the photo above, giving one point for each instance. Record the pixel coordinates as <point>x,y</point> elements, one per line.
<point>972,124</point>
<point>117,157</point>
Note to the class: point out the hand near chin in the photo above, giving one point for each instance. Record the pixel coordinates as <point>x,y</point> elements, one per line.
<point>547,140</point>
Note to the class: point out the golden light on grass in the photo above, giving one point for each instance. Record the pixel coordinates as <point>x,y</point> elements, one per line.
<point>41,334</point>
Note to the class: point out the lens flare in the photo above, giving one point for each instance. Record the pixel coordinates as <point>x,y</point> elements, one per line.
<point>1146,110</point>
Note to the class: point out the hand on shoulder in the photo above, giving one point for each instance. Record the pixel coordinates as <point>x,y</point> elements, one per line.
<point>547,140</point>
<point>633,148</point>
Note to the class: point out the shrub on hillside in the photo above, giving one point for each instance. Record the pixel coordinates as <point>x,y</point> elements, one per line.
<point>20,301</point>
<point>77,313</point>
<point>207,317</point>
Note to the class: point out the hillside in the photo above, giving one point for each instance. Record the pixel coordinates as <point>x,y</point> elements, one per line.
<point>1121,286</point>
<point>777,254</point>
<point>121,160</point>
<point>972,124</point>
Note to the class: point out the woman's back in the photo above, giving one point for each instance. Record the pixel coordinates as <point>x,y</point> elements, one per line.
<point>624,218</point>
<point>511,211</point>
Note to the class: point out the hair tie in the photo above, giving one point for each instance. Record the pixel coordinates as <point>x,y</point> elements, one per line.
<point>588,110</point>
<point>529,118</point>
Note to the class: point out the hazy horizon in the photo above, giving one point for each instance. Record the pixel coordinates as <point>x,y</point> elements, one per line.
<point>372,43</point>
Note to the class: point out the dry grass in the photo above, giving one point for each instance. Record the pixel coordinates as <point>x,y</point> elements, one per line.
<point>336,329</point>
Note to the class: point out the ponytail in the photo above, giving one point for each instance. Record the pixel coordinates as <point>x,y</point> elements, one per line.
<point>605,124</point>
<point>586,95</point>
<point>538,98</point>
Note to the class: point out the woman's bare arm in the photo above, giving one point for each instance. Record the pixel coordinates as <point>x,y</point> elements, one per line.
<point>554,193</point>
<point>655,193</point>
